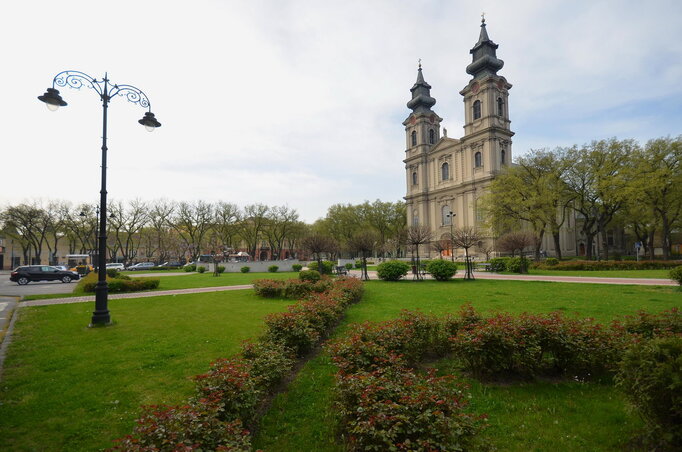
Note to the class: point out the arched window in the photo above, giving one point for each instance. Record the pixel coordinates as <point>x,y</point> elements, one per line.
<point>445,171</point>
<point>477,109</point>
<point>414,178</point>
<point>500,107</point>
<point>414,138</point>
<point>477,160</point>
<point>432,136</point>
<point>502,157</point>
<point>415,218</point>
<point>447,217</point>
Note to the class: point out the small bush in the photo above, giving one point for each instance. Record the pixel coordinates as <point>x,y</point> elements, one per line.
<point>245,269</point>
<point>441,270</point>
<point>221,269</point>
<point>190,268</point>
<point>551,261</point>
<point>113,272</point>
<point>297,267</point>
<point>358,263</point>
<point>309,275</point>
<point>676,274</point>
<point>197,424</point>
<point>201,269</point>
<point>392,270</point>
<point>296,289</point>
<point>649,375</point>
<point>269,288</point>
<point>348,266</point>
<point>498,264</point>
<point>269,361</point>
<point>327,267</point>
<point>273,268</point>
<point>518,264</point>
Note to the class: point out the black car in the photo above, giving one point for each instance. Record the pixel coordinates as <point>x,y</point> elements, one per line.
<point>28,273</point>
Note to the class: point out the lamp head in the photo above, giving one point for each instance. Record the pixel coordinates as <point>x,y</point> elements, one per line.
<point>52,99</point>
<point>149,122</point>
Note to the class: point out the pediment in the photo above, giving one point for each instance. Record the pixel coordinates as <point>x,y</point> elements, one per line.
<point>444,144</point>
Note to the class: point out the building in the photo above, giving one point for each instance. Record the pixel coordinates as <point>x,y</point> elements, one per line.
<point>445,176</point>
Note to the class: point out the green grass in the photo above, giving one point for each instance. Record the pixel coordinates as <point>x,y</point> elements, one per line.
<point>185,281</point>
<point>67,387</point>
<point>521,416</point>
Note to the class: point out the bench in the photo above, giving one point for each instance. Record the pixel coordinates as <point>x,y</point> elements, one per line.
<point>484,265</point>
<point>341,270</point>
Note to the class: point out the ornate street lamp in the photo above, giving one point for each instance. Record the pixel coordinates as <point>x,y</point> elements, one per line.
<point>106,92</point>
<point>452,216</point>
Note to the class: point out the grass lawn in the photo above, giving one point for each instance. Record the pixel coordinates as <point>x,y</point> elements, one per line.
<point>67,387</point>
<point>567,416</point>
<point>185,281</point>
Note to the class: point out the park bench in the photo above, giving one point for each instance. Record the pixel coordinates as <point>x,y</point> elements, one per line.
<point>341,270</point>
<point>484,265</point>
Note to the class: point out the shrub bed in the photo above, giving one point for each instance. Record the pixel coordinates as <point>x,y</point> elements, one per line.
<point>608,265</point>
<point>649,376</point>
<point>499,264</point>
<point>229,394</point>
<point>382,400</point>
<point>676,274</point>
<point>120,284</point>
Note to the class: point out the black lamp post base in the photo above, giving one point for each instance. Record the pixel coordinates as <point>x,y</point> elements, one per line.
<point>100,319</point>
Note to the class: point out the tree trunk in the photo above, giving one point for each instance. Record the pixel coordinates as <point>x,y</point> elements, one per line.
<point>557,244</point>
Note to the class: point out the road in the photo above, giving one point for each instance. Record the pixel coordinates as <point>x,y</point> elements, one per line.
<point>12,289</point>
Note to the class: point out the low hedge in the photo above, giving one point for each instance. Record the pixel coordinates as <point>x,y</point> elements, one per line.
<point>229,394</point>
<point>120,284</point>
<point>499,264</point>
<point>607,265</point>
<point>649,376</point>
<point>676,274</point>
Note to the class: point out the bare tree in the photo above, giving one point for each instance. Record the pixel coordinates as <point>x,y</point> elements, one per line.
<point>280,221</point>
<point>364,242</point>
<point>250,226</point>
<point>225,227</point>
<point>466,237</point>
<point>318,244</point>
<point>516,241</point>
<point>192,221</point>
<point>164,241</point>
<point>486,247</point>
<point>439,246</point>
<point>417,236</point>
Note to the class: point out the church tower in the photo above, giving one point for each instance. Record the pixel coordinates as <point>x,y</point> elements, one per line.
<point>487,135</point>
<point>422,132</point>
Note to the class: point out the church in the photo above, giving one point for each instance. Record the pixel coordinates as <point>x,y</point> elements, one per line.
<point>446,176</point>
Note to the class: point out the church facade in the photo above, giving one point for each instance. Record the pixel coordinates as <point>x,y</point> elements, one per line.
<point>445,176</point>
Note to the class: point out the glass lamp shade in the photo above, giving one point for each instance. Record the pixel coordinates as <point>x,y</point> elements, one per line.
<point>52,107</point>
<point>149,128</point>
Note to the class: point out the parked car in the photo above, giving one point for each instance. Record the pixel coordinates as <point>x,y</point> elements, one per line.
<point>171,264</point>
<point>117,266</point>
<point>141,266</point>
<point>24,275</point>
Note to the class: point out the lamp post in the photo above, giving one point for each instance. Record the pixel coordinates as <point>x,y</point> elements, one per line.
<point>106,92</point>
<point>452,216</point>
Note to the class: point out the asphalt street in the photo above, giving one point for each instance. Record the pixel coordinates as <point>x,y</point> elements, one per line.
<point>12,289</point>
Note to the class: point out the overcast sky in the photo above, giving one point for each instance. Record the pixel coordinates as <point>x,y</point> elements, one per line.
<point>301,102</point>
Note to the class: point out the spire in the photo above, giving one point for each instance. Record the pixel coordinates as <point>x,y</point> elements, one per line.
<point>485,61</point>
<point>421,94</point>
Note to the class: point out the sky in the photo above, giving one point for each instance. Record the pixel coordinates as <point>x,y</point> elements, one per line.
<point>301,103</point>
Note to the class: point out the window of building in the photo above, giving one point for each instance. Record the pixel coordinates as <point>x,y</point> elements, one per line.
<point>414,178</point>
<point>500,107</point>
<point>477,160</point>
<point>445,171</point>
<point>415,218</point>
<point>432,136</point>
<point>477,109</point>
<point>502,157</point>
<point>445,213</point>
<point>414,138</point>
